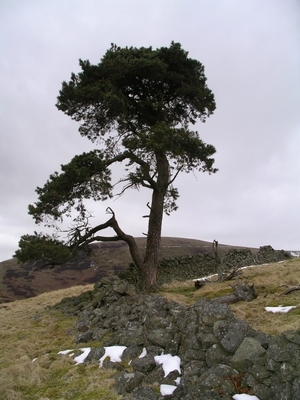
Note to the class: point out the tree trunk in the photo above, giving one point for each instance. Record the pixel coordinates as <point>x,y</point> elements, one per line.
<point>150,264</point>
<point>149,267</point>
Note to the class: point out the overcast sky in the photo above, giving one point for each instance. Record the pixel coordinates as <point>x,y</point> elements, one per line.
<point>251,53</point>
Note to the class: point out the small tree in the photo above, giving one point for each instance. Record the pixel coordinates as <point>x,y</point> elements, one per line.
<point>138,104</point>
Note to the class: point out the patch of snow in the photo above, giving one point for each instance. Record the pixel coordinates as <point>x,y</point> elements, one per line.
<point>166,390</point>
<point>253,266</point>
<point>247,266</point>
<point>279,309</point>
<point>143,353</point>
<point>114,352</point>
<point>177,381</point>
<point>204,278</point>
<point>244,397</point>
<point>64,352</point>
<point>81,358</point>
<point>295,253</point>
<point>169,363</point>
<point>34,360</point>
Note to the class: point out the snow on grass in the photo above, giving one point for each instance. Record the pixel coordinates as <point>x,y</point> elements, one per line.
<point>64,352</point>
<point>169,363</point>
<point>79,359</point>
<point>114,352</point>
<point>244,397</point>
<point>247,266</point>
<point>204,278</point>
<point>279,309</point>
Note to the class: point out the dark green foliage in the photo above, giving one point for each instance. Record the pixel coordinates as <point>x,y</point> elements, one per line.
<point>86,176</point>
<point>42,247</point>
<point>135,88</point>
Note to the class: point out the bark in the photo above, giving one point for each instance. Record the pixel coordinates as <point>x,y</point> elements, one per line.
<point>150,264</point>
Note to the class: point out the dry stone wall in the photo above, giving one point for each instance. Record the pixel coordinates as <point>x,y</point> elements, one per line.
<point>203,264</point>
<point>220,354</point>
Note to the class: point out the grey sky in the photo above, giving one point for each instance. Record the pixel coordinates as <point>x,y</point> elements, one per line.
<point>250,50</point>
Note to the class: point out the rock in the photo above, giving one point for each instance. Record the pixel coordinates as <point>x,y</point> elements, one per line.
<point>277,350</point>
<point>83,325</point>
<point>132,352</point>
<point>128,381</point>
<point>292,336</point>
<point>159,337</point>
<point>219,377</point>
<point>209,313</point>
<point>216,355</point>
<point>247,354</point>
<point>95,354</point>
<point>259,372</point>
<point>231,333</point>
<point>144,365</point>
<point>84,337</point>
<point>144,393</point>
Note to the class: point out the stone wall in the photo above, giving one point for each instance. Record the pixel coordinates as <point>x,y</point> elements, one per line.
<point>220,354</point>
<point>203,264</point>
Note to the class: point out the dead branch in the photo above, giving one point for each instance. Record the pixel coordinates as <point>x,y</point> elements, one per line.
<point>290,289</point>
<point>241,292</point>
<point>147,216</point>
<point>233,274</point>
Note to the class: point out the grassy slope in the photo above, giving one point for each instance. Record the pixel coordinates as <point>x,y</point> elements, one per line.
<point>270,280</point>
<point>29,329</point>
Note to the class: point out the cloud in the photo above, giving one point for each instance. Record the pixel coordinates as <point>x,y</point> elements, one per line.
<point>251,58</point>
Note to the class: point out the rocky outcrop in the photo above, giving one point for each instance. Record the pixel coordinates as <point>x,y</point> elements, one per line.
<point>220,355</point>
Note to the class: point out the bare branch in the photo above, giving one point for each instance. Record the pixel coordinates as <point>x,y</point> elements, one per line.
<point>147,216</point>
<point>175,176</point>
<point>290,289</point>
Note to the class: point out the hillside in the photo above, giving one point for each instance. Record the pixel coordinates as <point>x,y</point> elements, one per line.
<point>19,281</point>
<point>36,329</point>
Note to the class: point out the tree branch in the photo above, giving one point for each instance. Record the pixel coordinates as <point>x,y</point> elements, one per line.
<point>82,241</point>
<point>175,176</point>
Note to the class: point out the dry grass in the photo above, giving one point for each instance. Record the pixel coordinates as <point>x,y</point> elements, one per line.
<point>270,281</point>
<point>28,330</point>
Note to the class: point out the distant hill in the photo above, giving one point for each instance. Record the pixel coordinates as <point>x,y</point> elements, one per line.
<point>19,281</point>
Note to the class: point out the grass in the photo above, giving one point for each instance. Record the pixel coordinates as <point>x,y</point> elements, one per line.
<point>30,329</point>
<point>270,281</point>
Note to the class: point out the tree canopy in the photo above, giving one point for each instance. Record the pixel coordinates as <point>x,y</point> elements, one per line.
<point>137,105</point>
